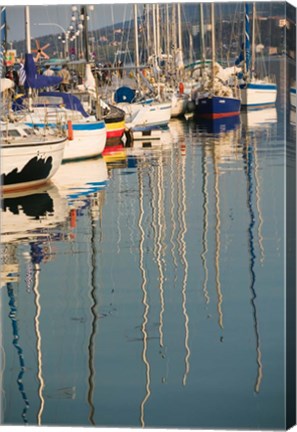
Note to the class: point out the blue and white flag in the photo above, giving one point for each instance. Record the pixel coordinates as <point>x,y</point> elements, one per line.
<point>3,26</point>
<point>3,31</point>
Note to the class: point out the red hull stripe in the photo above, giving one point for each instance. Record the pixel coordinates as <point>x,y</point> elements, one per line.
<point>115,133</point>
<point>112,149</point>
<point>218,115</point>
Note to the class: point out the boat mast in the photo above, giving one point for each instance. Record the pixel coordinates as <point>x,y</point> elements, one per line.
<point>84,13</point>
<point>28,48</point>
<point>154,31</point>
<point>136,48</point>
<point>148,33</point>
<point>158,29</point>
<point>179,27</point>
<point>213,44</point>
<point>167,38</point>
<point>167,32</point>
<point>202,34</point>
<point>174,41</point>
<point>253,42</point>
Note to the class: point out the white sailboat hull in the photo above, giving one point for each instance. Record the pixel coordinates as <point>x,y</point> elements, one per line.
<point>256,95</point>
<point>25,166</point>
<point>179,104</point>
<point>88,141</point>
<point>146,114</point>
<point>88,137</point>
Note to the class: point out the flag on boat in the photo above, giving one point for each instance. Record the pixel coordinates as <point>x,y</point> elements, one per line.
<point>3,37</point>
<point>3,26</point>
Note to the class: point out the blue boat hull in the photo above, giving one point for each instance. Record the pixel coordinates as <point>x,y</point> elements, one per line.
<point>217,107</point>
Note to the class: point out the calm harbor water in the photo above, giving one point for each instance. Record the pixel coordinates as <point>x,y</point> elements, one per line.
<point>151,293</point>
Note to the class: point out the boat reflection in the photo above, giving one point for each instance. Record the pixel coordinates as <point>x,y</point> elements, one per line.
<point>217,126</point>
<point>35,221</point>
<point>143,147</point>
<point>31,215</point>
<point>259,118</point>
<point>148,246</point>
<point>32,220</point>
<point>78,181</point>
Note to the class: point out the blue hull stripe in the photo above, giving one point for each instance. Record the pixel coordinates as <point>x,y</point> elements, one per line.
<point>258,104</point>
<point>260,86</point>
<point>78,126</point>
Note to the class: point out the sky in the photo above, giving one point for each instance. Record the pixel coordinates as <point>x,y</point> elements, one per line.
<point>104,14</point>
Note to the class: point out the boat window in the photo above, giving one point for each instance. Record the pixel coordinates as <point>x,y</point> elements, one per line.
<point>49,100</point>
<point>29,131</point>
<point>10,133</point>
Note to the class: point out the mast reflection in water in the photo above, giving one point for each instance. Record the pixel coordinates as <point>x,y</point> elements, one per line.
<point>150,293</point>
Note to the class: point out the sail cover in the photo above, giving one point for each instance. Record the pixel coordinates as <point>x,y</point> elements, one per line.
<point>33,79</point>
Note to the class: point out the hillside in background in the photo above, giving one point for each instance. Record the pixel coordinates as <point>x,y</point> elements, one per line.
<point>105,42</point>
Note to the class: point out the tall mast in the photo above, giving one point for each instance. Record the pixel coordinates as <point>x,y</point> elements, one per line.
<point>154,30</point>
<point>27,30</point>
<point>136,48</point>
<point>167,32</point>
<point>84,13</point>
<point>174,27</point>
<point>148,32</point>
<point>213,43</point>
<point>202,33</point>
<point>28,48</point>
<point>158,29</point>
<point>179,27</point>
<point>253,42</point>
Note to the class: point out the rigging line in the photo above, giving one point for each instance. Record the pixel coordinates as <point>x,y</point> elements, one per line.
<point>144,300</point>
<point>35,289</point>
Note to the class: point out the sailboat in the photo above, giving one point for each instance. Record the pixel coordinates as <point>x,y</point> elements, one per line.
<point>140,110</point>
<point>254,93</point>
<point>29,157</point>
<point>216,100</point>
<point>87,92</point>
<point>86,134</point>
